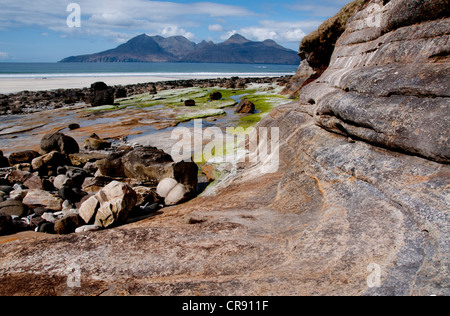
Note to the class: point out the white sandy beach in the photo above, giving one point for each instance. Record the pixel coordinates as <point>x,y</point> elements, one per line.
<point>14,85</point>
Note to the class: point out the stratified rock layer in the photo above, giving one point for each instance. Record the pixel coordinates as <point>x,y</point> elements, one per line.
<point>359,204</point>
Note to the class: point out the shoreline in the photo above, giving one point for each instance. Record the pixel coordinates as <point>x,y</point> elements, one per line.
<point>17,85</point>
<point>41,96</point>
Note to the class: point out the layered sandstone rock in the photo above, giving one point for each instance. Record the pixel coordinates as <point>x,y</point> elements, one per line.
<point>316,48</point>
<point>359,204</point>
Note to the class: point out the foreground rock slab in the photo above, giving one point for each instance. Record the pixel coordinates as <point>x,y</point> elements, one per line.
<point>348,212</point>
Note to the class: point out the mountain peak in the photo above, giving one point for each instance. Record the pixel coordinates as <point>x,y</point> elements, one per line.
<point>237,49</point>
<point>236,39</point>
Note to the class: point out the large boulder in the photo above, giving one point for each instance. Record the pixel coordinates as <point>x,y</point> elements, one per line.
<point>6,225</point>
<point>144,163</point>
<point>109,206</point>
<point>215,96</point>
<point>22,157</point>
<point>186,173</point>
<point>246,107</point>
<point>68,224</point>
<point>147,163</point>
<point>49,162</point>
<point>43,198</point>
<point>13,208</point>
<point>4,162</point>
<point>94,142</point>
<point>59,142</point>
<point>112,165</point>
<point>101,94</point>
<point>178,194</point>
<point>173,192</point>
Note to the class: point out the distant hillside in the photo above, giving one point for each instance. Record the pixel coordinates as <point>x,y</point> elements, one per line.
<point>237,49</point>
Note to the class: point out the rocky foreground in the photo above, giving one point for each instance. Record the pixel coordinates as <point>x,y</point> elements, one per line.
<point>358,206</point>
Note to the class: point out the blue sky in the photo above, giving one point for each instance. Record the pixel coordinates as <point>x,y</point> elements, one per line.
<point>37,30</point>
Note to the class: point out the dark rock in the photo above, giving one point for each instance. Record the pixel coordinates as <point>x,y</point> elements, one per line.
<point>46,227</point>
<point>149,208</point>
<point>36,222</point>
<point>23,157</point>
<point>68,224</point>
<point>4,162</point>
<point>74,126</point>
<point>101,94</point>
<point>13,208</point>
<point>80,159</point>
<point>94,142</point>
<point>6,225</point>
<point>61,170</point>
<point>93,185</point>
<point>215,96</point>
<point>49,163</point>
<point>246,106</point>
<point>77,175</point>
<point>189,103</point>
<point>99,86</point>
<point>17,176</point>
<point>6,188</point>
<point>147,163</point>
<point>187,174</point>
<point>146,195</point>
<point>121,92</point>
<point>59,142</point>
<point>152,90</point>
<point>112,166</point>
<point>143,163</point>
<point>40,210</point>
<point>71,194</point>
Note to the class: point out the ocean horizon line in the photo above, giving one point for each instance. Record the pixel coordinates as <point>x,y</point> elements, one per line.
<point>140,74</point>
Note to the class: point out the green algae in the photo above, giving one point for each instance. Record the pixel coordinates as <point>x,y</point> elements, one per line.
<point>102,108</point>
<point>264,103</point>
<point>264,97</point>
<point>200,114</point>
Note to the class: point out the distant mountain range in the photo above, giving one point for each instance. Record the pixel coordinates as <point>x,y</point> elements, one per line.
<point>237,49</point>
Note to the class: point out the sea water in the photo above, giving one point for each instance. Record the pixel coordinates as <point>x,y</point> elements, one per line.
<point>57,70</point>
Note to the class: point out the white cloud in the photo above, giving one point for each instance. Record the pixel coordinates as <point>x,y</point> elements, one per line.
<point>110,18</point>
<point>228,34</point>
<point>319,8</point>
<point>176,31</point>
<point>4,55</point>
<point>316,10</point>
<point>281,32</point>
<point>216,28</point>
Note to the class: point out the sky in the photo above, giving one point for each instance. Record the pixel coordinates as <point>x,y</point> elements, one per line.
<point>50,30</point>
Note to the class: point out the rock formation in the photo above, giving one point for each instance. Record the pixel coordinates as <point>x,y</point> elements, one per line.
<point>316,48</point>
<point>246,106</point>
<point>101,94</point>
<point>358,206</point>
